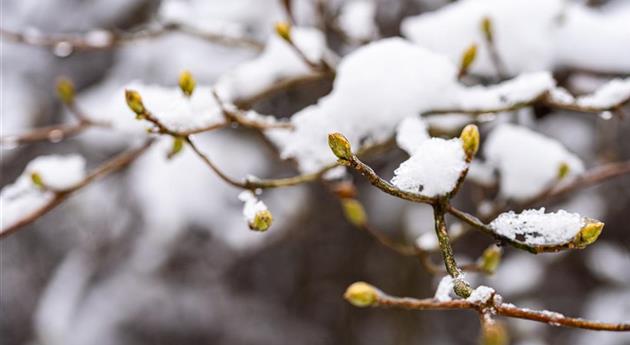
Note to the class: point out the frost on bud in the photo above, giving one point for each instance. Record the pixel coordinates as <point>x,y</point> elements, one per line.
<point>588,233</point>
<point>354,212</point>
<point>470,140</point>
<point>37,180</point>
<point>283,29</point>
<point>494,333</point>
<point>255,212</point>
<point>467,59</point>
<point>187,83</point>
<point>563,170</point>
<point>262,221</point>
<point>65,90</point>
<point>361,294</point>
<point>490,259</point>
<point>178,145</point>
<point>134,101</point>
<point>487,29</point>
<point>340,146</point>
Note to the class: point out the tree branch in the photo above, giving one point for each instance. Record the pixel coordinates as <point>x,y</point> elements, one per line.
<point>117,163</point>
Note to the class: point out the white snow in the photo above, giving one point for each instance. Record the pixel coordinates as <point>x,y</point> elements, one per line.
<point>19,199</point>
<point>99,38</point>
<point>521,30</point>
<point>376,86</point>
<point>444,290</point>
<point>433,169</point>
<point>481,173</point>
<point>613,93</point>
<point>535,227</point>
<point>411,132</point>
<point>229,18</point>
<point>357,20</point>
<point>251,205</point>
<point>527,161</point>
<point>175,110</point>
<point>522,89</point>
<point>277,61</point>
<point>481,294</point>
<point>529,35</point>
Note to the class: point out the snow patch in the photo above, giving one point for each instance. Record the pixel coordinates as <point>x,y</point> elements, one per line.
<point>535,227</point>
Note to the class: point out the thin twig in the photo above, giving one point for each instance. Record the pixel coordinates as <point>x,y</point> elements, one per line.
<point>116,163</point>
<point>110,40</point>
<point>504,309</point>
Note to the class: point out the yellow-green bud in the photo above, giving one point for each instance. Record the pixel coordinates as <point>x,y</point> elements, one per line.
<point>65,90</point>
<point>262,221</point>
<point>490,259</point>
<point>134,101</point>
<point>494,333</point>
<point>487,29</point>
<point>37,180</point>
<point>461,288</point>
<point>340,146</point>
<point>361,294</point>
<point>563,170</point>
<point>187,83</point>
<point>467,59</point>
<point>354,212</point>
<point>283,29</point>
<point>589,233</point>
<point>178,145</point>
<point>470,140</point>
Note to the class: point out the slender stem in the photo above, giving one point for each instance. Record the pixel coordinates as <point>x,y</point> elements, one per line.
<point>504,309</point>
<point>385,186</point>
<point>82,42</point>
<point>443,240</point>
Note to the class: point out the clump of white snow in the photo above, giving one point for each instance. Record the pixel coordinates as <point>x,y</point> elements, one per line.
<point>277,61</point>
<point>251,206</point>
<point>23,197</point>
<point>535,227</point>
<point>522,89</point>
<point>411,132</point>
<point>357,20</point>
<point>175,110</point>
<point>613,93</point>
<point>481,295</point>
<point>527,161</point>
<point>529,35</point>
<point>433,169</point>
<point>376,87</point>
<point>445,289</point>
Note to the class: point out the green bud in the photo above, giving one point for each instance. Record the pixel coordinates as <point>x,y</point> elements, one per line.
<point>187,83</point>
<point>494,333</point>
<point>468,58</point>
<point>490,259</point>
<point>354,212</point>
<point>134,101</point>
<point>65,90</point>
<point>563,170</point>
<point>589,233</point>
<point>262,221</point>
<point>283,29</point>
<point>361,294</point>
<point>470,140</point>
<point>340,146</point>
<point>37,180</point>
<point>487,29</point>
<point>461,288</point>
<point>178,145</point>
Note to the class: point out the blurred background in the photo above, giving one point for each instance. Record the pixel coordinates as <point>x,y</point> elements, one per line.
<point>159,253</point>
